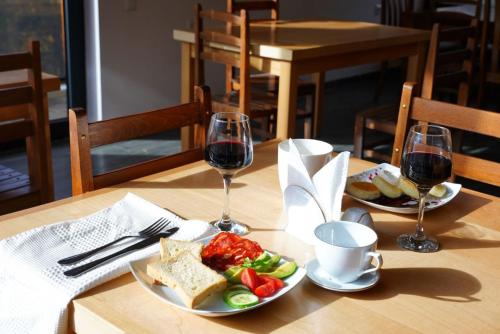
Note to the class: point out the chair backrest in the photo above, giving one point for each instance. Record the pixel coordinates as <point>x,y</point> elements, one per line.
<point>84,136</point>
<point>261,8</point>
<point>441,15</point>
<point>22,110</point>
<point>495,52</point>
<point>271,6</point>
<point>392,10</point>
<point>454,116</point>
<point>235,41</point>
<point>450,61</point>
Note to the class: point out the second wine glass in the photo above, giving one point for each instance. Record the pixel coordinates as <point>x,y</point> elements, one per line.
<point>229,149</point>
<point>426,162</point>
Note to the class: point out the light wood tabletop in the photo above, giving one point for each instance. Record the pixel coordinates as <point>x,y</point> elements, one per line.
<point>455,290</point>
<point>292,48</point>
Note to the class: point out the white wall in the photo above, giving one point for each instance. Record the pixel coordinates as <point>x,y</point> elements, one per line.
<point>133,64</point>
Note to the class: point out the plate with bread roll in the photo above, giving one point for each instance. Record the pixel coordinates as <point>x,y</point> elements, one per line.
<point>219,276</point>
<point>384,188</point>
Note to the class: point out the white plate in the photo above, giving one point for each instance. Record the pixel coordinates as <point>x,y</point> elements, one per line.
<point>214,305</point>
<point>452,189</point>
<point>321,278</point>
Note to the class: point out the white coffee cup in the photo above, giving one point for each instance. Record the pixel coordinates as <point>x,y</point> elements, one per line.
<point>314,154</point>
<point>345,250</point>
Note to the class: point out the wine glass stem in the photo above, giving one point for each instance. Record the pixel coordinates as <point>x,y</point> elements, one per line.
<point>225,223</point>
<point>419,232</point>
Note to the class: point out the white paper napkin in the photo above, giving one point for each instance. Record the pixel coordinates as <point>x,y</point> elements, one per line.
<point>326,187</point>
<point>34,293</point>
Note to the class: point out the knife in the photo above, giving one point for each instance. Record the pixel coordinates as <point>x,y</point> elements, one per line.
<point>139,245</point>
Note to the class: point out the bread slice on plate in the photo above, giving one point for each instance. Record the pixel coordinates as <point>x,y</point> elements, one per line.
<point>170,248</point>
<point>188,277</point>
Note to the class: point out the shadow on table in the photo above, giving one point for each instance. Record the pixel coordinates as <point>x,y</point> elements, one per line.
<point>207,179</point>
<point>445,284</point>
<point>463,240</point>
<point>446,226</point>
<point>291,308</point>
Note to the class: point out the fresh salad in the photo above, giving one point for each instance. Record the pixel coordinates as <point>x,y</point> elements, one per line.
<point>252,273</point>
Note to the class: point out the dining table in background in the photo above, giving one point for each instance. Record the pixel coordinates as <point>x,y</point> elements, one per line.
<point>293,48</point>
<point>455,290</point>
<point>16,78</point>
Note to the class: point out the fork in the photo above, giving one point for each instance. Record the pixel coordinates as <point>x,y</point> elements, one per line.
<point>149,231</point>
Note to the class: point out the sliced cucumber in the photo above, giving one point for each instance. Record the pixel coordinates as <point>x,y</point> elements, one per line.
<point>242,300</point>
<point>238,287</point>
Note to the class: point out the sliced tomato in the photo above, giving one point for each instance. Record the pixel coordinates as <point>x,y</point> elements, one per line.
<point>265,290</point>
<point>278,283</point>
<point>250,278</point>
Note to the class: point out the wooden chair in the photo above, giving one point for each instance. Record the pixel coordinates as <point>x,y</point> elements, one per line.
<point>394,13</point>
<point>84,136</point>
<point>489,74</point>
<point>22,116</point>
<point>236,53</point>
<point>449,115</point>
<point>266,81</point>
<point>445,71</point>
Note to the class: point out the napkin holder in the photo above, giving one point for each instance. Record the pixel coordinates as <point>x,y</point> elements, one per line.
<point>302,210</point>
<point>310,201</point>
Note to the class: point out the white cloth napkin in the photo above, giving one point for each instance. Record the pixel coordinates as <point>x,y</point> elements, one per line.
<point>34,293</point>
<point>326,187</point>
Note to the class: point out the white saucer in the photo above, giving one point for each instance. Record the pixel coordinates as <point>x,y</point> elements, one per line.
<point>324,280</point>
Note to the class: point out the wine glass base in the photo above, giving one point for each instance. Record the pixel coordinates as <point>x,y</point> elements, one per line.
<point>427,245</point>
<point>231,226</point>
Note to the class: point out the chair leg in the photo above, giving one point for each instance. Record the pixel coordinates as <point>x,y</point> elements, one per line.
<point>359,129</point>
<point>381,78</point>
<point>309,121</point>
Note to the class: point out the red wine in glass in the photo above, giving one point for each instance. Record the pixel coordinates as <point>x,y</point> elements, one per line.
<point>426,169</point>
<point>229,149</point>
<point>228,156</point>
<point>426,162</point>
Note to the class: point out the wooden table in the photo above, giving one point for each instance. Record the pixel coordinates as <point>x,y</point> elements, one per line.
<point>456,290</point>
<point>293,48</point>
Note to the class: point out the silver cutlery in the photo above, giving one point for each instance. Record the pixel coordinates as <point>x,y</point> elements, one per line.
<point>149,231</point>
<point>139,245</point>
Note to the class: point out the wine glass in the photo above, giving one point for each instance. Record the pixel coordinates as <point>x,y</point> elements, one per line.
<point>229,149</point>
<point>426,162</point>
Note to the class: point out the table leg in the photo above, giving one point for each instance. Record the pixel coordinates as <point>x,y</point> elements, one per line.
<point>287,101</point>
<point>319,82</point>
<point>187,83</point>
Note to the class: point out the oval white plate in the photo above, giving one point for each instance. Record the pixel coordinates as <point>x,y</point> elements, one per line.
<point>214,305</point>
<point>452,189</point>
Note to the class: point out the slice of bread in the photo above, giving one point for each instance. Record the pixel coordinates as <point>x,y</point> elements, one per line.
<point>189,278</point>
<point>170,248</point>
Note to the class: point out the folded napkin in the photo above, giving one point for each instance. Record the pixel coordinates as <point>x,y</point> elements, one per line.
<point>324,190</point>
<point>34,292</point>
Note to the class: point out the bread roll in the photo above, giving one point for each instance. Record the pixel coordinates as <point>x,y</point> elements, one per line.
<point>363,190</point>
<point>408,187</point>
<point>386,188</point>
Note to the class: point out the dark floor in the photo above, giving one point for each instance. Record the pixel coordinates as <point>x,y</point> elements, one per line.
<point>343,99</point>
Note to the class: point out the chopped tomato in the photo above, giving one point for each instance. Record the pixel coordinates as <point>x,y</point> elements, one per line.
<point>278,284</point>
<point>250,279</point>
<point>265,290</point>
<point>228,249</point>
